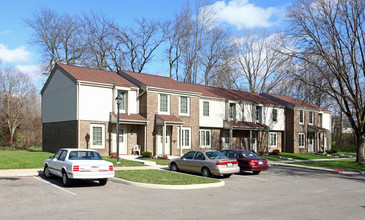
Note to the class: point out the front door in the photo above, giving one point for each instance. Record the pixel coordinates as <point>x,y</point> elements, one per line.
<point>122,140</point>
<point>167,143</point>
<point>310,143</point>
<point>254,142</point>
<point>226,140</point>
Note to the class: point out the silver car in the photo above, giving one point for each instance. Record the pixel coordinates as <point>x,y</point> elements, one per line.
<point>206,162</point>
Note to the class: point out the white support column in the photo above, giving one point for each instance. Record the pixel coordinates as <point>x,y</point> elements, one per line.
<point>145,138</point>
<point>180,140</point>
<point>250,141</point>
<point>163,139</point>
<point>230,138</point>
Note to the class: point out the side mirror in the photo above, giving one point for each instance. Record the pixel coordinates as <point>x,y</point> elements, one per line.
<point>183,158</point>
<point>51,157</point>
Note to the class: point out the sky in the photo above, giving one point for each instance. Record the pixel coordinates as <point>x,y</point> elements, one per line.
<point>16,50</point>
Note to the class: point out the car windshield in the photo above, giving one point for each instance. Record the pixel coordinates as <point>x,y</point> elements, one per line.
<point>247,153</point>
<point>84,155</point>
<point>215,155</point>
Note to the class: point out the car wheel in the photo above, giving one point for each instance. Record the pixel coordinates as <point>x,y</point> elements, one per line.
<point>227,175</point>
<point>65,180</point>
<point>102,182</point>
<point>47,173</point>
<point>206,172</point>
<point>256,172</point>
<point>174,167</point>
<point>242,171</point>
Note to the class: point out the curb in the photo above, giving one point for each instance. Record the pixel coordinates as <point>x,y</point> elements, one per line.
<point>20,172</point>
<point>180,187</point>
<point>319,168</point>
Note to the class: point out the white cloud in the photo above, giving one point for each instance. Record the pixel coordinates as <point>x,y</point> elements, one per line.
<point>243,14</point>
<point>17,55</point>
<point>34,72</point>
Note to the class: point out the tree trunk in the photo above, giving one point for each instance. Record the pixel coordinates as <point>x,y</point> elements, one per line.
<point>360,145</point>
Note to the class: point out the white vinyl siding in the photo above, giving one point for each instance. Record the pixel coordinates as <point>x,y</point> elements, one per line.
<point>97,139</point>
<point>205,138</point>
<point>301,140</point>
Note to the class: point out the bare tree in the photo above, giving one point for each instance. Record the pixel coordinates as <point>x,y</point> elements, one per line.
<point>16,91</point>
<point>260,60</point>
<point>332,33</point>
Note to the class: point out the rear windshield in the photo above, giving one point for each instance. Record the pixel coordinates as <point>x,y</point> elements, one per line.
<point>215,155</point>
<point>248,154</point>
<point>84,155</point>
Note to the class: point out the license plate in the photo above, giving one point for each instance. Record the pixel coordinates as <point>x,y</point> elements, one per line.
<point>229,164</point>
<point>261,163</point>
<point>94,168</point>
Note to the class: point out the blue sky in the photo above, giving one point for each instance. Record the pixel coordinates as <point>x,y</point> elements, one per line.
<point>15,49</point>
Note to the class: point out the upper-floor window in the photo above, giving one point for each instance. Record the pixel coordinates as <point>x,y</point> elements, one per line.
<point>310,118</point>
<point>320,118</point>
<point>205,108</point>
<point>301,117</point>
<point>164,103</point>
<point>274,115</point>
<point>122,94</point>
<point>232,110</point>
<point>258,113</point>
<point>184,105</point>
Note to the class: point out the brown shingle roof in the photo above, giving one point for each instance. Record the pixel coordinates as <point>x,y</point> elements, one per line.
<point>247,124</point>
<point>131,117</point>
<point>98,76</point>
<point>169,118</point>
<point>168,83</point>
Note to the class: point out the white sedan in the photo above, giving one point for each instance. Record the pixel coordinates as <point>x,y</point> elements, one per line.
<point>78,164</point>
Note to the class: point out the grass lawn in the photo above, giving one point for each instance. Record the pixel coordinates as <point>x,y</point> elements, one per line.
<point>161,177</point>
<point>348,154</point>
<point>22,159</point>
<point>304,156</point>
<point>272,158</point>
<point>160,161</point>
<point>123,163</point>
<point>348,165</point>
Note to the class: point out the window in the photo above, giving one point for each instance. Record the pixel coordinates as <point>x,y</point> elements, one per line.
<point>97,139</point>
<point>189,155</point>
<point>301,140</point>
<point>301,117</point>
<point>184,105</point>
<point>232,111</point>
<point>273,140</point>
<point>205,138</point>
<point>164,103</point>
<point>122,94</point>
<point>274,115</point>
<point>199,156</point>
<point>310,118</point>
<point>205,108</point>
<point>258,113</point>
<point>63,155</point>
<point>186,137</point>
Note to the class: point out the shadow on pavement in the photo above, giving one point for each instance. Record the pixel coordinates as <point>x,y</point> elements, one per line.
<point>75,183</point>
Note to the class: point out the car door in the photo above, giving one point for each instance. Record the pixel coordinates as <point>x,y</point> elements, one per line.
<point>52,163</point>
<point>185,161</point>
<point>59,164</point>
<point>198,162</point>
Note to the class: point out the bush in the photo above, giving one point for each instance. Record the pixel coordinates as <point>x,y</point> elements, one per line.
<point>165,157</point>
<point>113,155</point>
<point>331,151</point>
<point>146,154</point>
<point>276,152</point>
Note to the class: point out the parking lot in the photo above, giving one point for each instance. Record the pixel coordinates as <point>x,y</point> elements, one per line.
<point>279,193</point>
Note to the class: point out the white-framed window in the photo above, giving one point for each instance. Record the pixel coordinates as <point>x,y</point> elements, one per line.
<point>97,137</point>
<point>206,109</point>
<point>205,138</point>
<point>232,111</point>
<point>273,139</point>
<point>274,115</point>
<point>301,117</point>
<point>258,113</point>
<point>310,117</point>
<point>301,140</point>
<point>184,105</point>
<point>186,137</point>
<point>164,104</point>
<point>122,105</point>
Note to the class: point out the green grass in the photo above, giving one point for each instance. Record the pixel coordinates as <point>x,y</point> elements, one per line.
<point>347,165</point>
<point>307,156</point>
<point>272,158</point>
<point>162,177</point>
<point>123,163</point>
<point>348,154</point>
<point>22,159</point>
<point>160,161</point>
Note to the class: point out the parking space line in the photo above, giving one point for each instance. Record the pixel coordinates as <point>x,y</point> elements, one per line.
<point>40,179</point>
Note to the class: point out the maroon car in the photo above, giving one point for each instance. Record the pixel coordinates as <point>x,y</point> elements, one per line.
<point>247,160</point>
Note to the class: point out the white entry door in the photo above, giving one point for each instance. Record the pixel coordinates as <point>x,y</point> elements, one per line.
<point>122,140</point>
<point>254,142</point>
<point>226,141</point>
<point>160,141</point>
<point>310,143</point>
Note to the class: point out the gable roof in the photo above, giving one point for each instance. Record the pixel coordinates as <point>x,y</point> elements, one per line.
<point>206,91</point>
<point>97,76</point>
<point>294,102</point>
